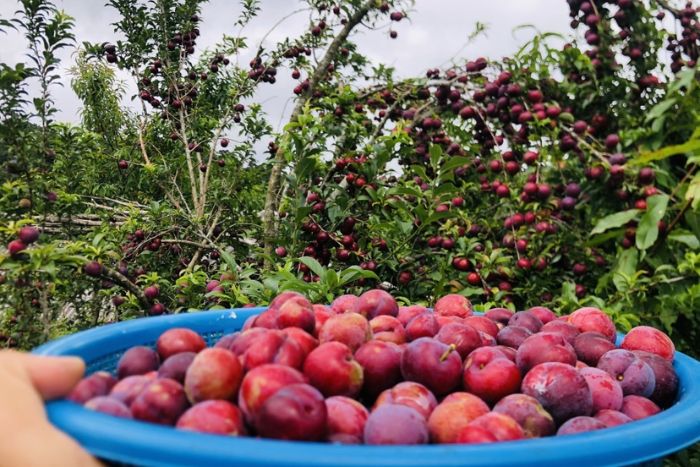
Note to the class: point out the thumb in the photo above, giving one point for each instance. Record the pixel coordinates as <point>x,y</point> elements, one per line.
<point>52,377</point>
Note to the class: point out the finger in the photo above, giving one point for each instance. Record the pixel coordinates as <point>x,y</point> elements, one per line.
<point>52,377</point>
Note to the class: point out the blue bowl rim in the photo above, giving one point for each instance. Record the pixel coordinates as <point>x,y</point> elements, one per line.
<point>149,444</point>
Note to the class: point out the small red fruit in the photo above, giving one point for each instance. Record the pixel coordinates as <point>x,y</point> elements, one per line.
<point>28,235</point>
<point>15,247</point>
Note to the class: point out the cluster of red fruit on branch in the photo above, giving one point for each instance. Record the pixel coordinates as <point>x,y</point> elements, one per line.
<point>25,237</point>
<point>687,46</point>
<point>366,370</point>
<point>618,24</point>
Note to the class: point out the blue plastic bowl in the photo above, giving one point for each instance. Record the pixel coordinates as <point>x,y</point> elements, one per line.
<point>132,442</point>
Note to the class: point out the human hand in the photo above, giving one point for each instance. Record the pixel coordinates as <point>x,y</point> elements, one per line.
<point>27,438</point>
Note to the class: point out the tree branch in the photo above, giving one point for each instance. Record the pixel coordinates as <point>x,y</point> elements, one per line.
<point>119,279</point>
<point>188,157</point>
<point>184,242</point>
<point>320,72</point>
<point>142,144</point>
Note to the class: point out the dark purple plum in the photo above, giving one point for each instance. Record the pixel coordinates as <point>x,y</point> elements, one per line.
<point>560,388</point>
<point>526,319</point>
<point>161,401</point>
<point>529,413</point>
<point>544,347</point>
<point>513,336</point>
<point>395,424</point>
<point>666,386</point>
<point>137,361</point>
<point>295,412</point>
<point>97,384</point>
<point>175,366</point>
<point>590,346</point>
<point>633,374</point>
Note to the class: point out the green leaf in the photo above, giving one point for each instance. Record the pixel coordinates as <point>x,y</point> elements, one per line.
<point>568,292</point>
<point>98,238</point>
<point>471,291</point>
<point>272,283</point>
<point>355,272</point>
<point>454,162</point>
<point>405,227</point>
<point>420,171</point>
<point>302,212</point>
<point>684,79</point>
<point>435,156</point>
<point>602,238</point>
<point>648,228</point>
<point>421,214</point>
<point>314,265</point>
<point>659,109</point>
<point>692,194</point>
<point>331,279</point>
<point>445,188</point>
<point>614,220</point>
<point>625,267</point>
<point>689,146</point>
<point>50,269</point>
<point>405,190</point>
<point>437,216</point>
<point>686,237</point>
<point>229,260</point>
<point>693,220</point>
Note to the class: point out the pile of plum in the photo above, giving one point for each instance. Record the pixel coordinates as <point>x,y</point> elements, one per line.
<point>366,370</point>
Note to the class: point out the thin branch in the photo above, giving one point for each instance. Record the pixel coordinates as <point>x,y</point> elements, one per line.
<point>278,23</point>
<point>184,242</point>
<point>84,220</point>
<point>188,157</point>
<point>204,182</point>
<point>206,236</point>
<point>130,204</point>
<point>142,145</point>
<point>119,279</point>
<point>117,212</point>
<point>182,196</point>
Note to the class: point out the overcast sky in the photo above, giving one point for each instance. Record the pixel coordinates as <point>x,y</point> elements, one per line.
<point>438,30</point>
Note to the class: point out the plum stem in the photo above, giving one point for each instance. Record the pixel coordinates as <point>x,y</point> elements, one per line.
<point>447,352</point>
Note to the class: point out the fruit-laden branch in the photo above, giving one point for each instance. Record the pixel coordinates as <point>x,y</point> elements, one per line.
<point>403,87</point>
<point>120,279</point>
<point>272,198</point>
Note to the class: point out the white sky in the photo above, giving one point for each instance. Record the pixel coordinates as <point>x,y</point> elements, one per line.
<point>438,30</point>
